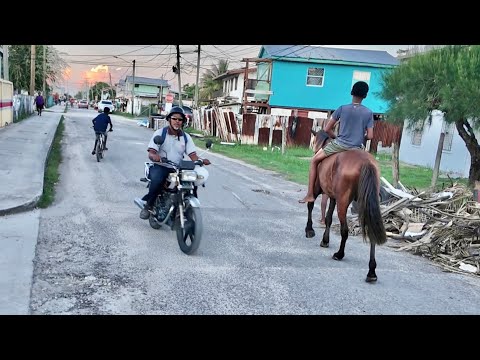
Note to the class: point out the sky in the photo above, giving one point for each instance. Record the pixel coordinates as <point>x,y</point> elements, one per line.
<point>89,64</point>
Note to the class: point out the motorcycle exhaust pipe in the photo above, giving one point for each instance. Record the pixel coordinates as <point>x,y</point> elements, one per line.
<point>139,202</point>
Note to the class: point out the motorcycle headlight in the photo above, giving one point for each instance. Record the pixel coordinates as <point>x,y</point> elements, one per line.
<point>189,175</point>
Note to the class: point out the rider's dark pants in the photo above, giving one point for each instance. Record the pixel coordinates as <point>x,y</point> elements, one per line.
<point>96,138</point>
<point>158,174</point>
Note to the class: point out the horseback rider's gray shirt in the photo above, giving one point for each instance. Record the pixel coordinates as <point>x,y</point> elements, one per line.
<point>354,121</point>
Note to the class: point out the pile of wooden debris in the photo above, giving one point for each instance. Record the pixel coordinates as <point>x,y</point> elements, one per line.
<point>444,227</point>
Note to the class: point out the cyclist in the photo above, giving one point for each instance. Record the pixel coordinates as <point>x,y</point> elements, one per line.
<point>100,124</point>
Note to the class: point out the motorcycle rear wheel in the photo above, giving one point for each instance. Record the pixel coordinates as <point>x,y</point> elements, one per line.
<point>190,236</point>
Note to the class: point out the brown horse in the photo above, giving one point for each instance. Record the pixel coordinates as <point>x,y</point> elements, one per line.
<point>344,177</point>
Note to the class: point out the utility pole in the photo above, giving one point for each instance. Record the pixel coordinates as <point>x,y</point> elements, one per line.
<point>179,79</point>
<point>44,69</point>
<point>111,87</point>
<point>32,69</point>
<point>438,158</point>
<point>198,76</point>
<point>133,86</point>
<point>5,62</point>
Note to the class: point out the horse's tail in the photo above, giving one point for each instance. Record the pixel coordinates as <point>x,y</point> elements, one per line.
<point>368,201</point>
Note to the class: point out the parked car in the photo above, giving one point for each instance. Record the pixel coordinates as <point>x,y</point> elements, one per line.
<point>105,103</point>
<point>83,104</point>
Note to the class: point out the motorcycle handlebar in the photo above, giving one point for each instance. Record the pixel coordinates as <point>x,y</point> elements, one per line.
<point>166,161</point>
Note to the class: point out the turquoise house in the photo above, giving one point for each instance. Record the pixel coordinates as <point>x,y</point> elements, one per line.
<point>314,78</point>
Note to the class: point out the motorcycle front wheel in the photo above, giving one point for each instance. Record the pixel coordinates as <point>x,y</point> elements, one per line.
<point>190,236</point>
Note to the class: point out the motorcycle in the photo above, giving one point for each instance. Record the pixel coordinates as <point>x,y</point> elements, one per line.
<point>177,206</point>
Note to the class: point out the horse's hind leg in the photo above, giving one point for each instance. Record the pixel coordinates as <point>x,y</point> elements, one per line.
<point>328,222</point>
<point>309,232</point>
<point>372,264</point>
<point>342,216</point>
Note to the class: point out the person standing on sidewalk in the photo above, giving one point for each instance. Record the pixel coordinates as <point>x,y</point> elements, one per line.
<point>39,102</point>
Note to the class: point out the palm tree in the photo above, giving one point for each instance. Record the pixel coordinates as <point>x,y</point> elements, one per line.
<point>208,85</point>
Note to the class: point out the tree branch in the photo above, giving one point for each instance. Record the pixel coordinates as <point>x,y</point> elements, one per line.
<point>468,137</point>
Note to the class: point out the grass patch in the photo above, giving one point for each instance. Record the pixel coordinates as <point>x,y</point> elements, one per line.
<point>295,163</point>
<point>414,176</point>
<point>51,168</point>
<point>126,115</point>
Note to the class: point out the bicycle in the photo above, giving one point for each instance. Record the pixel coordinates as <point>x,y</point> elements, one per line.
<point>100,145</point>
<point>100,148</point>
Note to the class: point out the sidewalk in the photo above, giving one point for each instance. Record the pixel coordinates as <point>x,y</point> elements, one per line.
<point>24,148</point>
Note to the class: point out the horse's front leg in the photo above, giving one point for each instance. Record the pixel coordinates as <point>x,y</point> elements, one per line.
<point>372,265</point>
<point>309,232</point>
<point>328,223</point>
<point>342,216</point>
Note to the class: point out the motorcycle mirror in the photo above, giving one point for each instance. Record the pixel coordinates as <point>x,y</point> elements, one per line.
<point>158,140</point>
<point>208,143</point>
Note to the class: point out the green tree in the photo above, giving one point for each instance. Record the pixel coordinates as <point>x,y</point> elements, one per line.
<point>99,88</point>
<point>446,79</point>
<point>208,85</point>
<point>189,91</point>
<point>19,58</point>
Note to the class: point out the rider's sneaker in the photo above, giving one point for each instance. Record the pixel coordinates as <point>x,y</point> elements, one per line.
<point>105,148</point>
<point>145,213</point>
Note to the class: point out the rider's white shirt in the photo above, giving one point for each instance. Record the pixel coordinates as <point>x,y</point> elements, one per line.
<point>173,148</point>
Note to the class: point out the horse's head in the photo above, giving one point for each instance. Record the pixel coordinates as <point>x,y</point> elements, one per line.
<point>321,139</point>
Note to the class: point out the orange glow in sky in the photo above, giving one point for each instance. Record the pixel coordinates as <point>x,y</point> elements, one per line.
<point>99,73</point>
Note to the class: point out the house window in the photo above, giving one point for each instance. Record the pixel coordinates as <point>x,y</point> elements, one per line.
<point>236,82</point>
<point>231,84</point>
<point>417,134</point>
<point>448,129</point>
<point>361,76</point>
<point>315,76</point>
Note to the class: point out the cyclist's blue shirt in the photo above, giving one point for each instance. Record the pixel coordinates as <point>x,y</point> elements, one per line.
<point>100,123</point>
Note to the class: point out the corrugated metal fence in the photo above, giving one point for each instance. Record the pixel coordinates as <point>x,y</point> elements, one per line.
<point>267,130</point>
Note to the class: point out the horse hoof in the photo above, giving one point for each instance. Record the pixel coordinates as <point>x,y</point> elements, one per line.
<point>370,279</point>
<point>324,244</point>
<point>309,234</point>
<point>337,257</point>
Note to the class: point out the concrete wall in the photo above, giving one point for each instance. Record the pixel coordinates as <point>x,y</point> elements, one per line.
<point>455,161</point>
<point>6,102</point>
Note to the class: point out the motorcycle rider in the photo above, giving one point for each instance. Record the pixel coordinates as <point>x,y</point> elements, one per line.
<point>173,148</point>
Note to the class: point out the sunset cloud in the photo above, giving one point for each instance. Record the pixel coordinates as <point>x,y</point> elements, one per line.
<point>99,68</point>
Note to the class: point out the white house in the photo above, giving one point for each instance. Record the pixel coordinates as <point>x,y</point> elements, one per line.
<point>230,97</point>
<point>419,147</point>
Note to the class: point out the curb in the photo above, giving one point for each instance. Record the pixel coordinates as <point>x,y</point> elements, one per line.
<point>32,204</point>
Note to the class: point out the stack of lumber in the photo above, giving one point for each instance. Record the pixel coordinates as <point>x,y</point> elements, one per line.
<point>443,226</point>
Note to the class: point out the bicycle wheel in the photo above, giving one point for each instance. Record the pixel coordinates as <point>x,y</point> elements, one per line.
<point>98,150</point>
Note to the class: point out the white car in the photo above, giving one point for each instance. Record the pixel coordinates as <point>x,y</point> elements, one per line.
<point>105,103</point>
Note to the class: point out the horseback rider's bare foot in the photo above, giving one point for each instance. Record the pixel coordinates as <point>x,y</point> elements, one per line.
<point>306,199</point>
